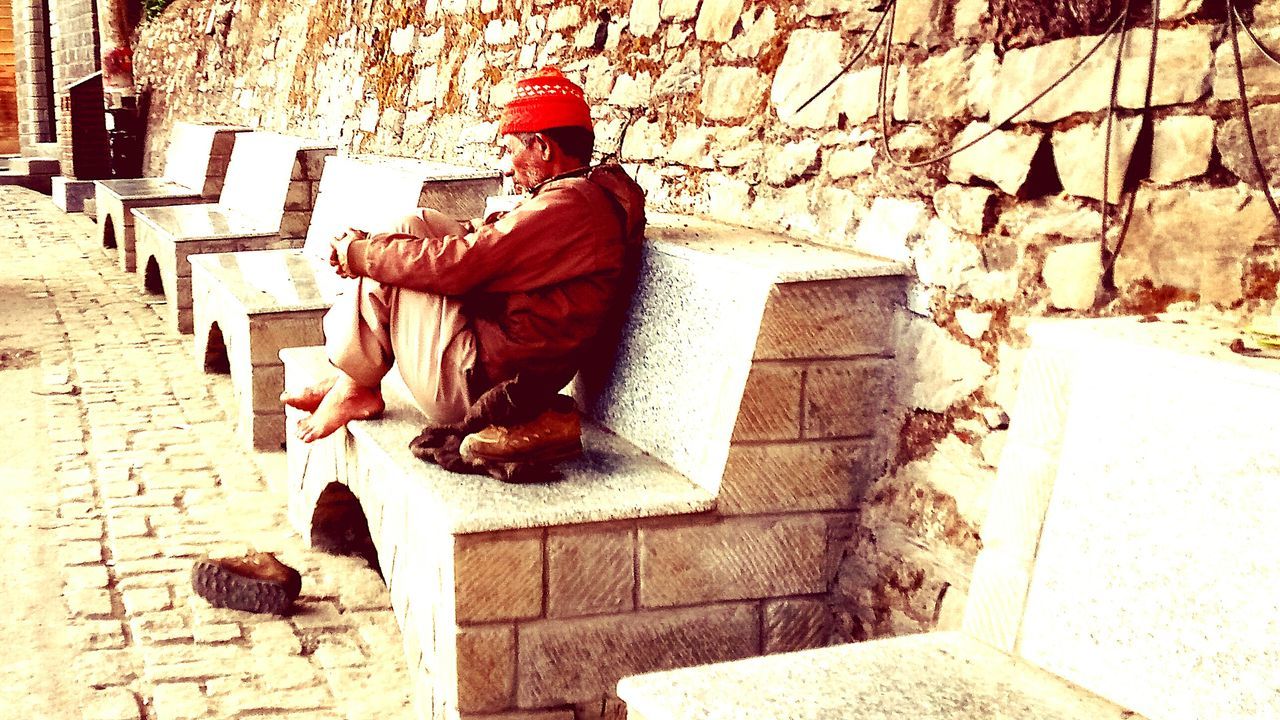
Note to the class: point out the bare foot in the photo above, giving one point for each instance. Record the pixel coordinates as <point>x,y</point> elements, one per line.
<point>344,401</point>
<point>309,398</point>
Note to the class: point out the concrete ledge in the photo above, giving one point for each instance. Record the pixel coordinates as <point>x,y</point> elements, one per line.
<point>939,676</point>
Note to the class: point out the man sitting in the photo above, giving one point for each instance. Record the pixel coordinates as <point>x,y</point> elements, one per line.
<point>460,307</point>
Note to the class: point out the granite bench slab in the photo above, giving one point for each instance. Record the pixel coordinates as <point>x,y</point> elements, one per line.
<point>936,676</point>
<point>265,203</point>
<point>250,305</point>
<point>707,498</point>
<point>195,168</point>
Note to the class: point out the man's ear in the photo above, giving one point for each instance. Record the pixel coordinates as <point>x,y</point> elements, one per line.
<point>545,151</point>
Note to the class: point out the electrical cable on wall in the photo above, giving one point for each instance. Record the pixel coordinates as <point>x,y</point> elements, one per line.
<point>1234,19</point>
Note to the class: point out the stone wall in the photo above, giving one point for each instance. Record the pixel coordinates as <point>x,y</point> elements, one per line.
<point>701,98</point>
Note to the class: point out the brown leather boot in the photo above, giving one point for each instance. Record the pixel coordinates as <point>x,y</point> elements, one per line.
<point>257,582</point>
<point>552,436</point>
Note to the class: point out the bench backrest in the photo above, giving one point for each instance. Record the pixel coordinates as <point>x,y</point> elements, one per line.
<point>371,193</point>
<point>187,158</point>
<point>261,170</point>
<point>691,333</point>
<point>1155,581</point>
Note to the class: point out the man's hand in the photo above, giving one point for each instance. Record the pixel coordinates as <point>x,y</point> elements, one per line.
<point>338,251</point>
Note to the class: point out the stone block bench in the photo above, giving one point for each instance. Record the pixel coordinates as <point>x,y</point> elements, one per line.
<point>1128,567</point>
<point>195,166</point>
<point>247,306</point>
<point>724,452</point>
<point>265,204</point>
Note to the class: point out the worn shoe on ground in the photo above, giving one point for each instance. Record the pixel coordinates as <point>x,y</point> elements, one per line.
<point>552,436</point>
<point>257,582</point>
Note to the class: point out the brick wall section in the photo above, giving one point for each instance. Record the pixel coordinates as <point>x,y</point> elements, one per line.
<point>32,45</point>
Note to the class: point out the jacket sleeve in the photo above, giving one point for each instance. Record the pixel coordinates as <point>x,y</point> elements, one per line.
<point>452,264</point>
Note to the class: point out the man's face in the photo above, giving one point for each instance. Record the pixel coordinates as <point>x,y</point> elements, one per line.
<point>526,165</point>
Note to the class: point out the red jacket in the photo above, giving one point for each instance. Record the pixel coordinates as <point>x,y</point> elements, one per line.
<point>539,282</point>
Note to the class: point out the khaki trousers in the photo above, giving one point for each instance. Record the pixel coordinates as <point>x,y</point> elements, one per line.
<point>426,336</point>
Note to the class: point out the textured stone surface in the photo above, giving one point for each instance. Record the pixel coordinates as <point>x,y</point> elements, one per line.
<point>1194,241</point>
<point>1004,158</point>
<point>716,19</point>
<point>1182,69</point>
<point>1262,77</point>
<point>786,477</point>
<point>498,576</point>
<point>942,369</point>
<point>889,226</point>
<point>839,318</point>
<point>606,649</point>
<point>1080,156</point>
<point>848,398</point>
<point>770,408</point>
<point>1181,147</point>
<point>1143,497</point>
<point>937,676</point>
<point>730,93</point>
<point>937,88</point>
<point>965,209</point>
<point>732,559</point>
<point>813,57</point>
<point>590,570</point>
<point>1072,273</point>
<point>796,624</point>
<point>1233,145</point>
<point>486,667</point>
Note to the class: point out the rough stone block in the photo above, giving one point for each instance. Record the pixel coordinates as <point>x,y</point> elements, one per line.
<point>847,399</point>
<point>830,319</point>
<point>1181,147</point>
<point>1004,157</point>
<point>770,408</point>
<point>732,559</point>
<point>498,576</point>
<point>796,624</point>
<point>1073,274</point>
<point>790,477</point>
<point>590,570</point>
<point>486,667</point>
<point>605,649</point>
<point>1076,151</point>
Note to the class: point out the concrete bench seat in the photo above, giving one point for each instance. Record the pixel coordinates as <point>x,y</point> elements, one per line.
<point>266,203</point>
<point>937,676</point>
<point>195,168</point>
<point>698,526</point>
<point>247,306</point>
<point>1128,555</point>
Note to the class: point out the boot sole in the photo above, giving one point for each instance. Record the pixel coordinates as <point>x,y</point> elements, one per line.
<point>226,589</point>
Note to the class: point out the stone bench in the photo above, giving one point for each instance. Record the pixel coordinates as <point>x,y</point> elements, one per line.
<point>247,306</point>
<point>265,204</point>
<point>1128,565</point>
<point>195,166</point>
<point>723,453</point>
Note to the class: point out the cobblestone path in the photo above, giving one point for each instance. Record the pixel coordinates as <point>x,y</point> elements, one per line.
<point>124,470</point>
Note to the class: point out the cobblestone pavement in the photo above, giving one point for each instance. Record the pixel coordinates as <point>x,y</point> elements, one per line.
<point>130,472</point>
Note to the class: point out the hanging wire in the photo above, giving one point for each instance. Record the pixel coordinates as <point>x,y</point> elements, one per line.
<point>1109,257</point>
<point>995,126</point>
<point>1270,54</point>
<point>1235,20</point>
<point>856,57</point>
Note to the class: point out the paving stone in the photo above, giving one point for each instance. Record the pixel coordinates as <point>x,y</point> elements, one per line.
<point>216,632</point>
<point>179,701</point>
<point>112,703</point>
<point>89,602</point>
<point>80,578</point>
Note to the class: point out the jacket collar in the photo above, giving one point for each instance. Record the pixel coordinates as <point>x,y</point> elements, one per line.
<point>580,172</point>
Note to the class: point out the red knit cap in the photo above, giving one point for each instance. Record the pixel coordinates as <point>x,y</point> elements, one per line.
<point>547,99</point>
